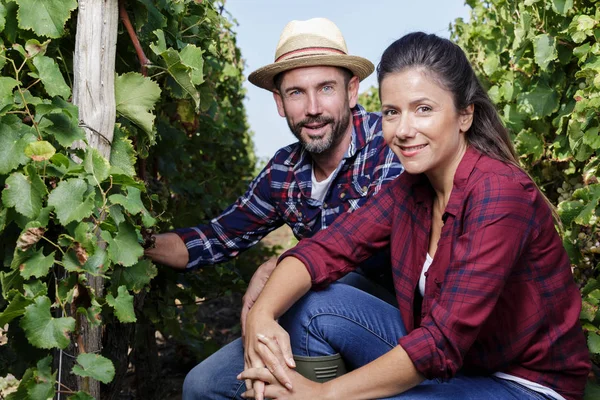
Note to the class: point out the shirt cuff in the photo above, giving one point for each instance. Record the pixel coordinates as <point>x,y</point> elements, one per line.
<point>427,358</point>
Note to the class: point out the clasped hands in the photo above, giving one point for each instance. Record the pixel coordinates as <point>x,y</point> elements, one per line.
<point>268,363</point>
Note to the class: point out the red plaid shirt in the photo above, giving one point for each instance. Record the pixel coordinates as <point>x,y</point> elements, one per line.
<point>499,296</point>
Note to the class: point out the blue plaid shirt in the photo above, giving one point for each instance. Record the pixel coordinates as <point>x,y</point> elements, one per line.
<point>281,194</point>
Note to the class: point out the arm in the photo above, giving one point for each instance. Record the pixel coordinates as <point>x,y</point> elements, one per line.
<point>238,228</point>
<point>390,374</point>
<point>256,285</point>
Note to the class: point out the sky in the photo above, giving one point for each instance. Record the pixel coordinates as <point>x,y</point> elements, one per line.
<point>367,26</point>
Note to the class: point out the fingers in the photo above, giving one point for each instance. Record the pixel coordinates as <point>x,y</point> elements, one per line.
<point>245,309</point>
<point>259,390</point>
<point>261,374</point>
<point>271,355</point>
<point>280,347</point>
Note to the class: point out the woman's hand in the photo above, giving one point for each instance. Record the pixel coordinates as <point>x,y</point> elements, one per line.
<point>267,345</point>
<point>302,388</point>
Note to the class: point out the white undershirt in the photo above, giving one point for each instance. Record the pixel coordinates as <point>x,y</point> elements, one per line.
<point>523,382</point>
<point>319,189</point>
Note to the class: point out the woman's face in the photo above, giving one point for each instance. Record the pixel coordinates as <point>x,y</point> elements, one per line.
<point>421,124</point>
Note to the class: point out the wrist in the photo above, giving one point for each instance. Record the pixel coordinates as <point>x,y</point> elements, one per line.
<point>327,390</point>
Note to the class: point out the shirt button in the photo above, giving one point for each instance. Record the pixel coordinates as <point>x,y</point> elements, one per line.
<point>364,188</point>
<point>324,205</point>
<point>423,315</point>
<point>426,274</point>
<point>342,195</point>
<point>300,214</point>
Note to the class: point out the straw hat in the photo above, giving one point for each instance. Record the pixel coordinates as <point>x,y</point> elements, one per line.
<point>314,42</point>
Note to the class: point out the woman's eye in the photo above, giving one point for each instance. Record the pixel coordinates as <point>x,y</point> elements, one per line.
<point>423,109</point>
<point>389,113</point>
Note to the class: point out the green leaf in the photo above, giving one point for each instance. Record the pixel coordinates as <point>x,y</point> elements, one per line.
<point>544,48</point>
<point>124,249</point>
<point>594,342</point>
<point>562,6</point>
<point>40,151</point>
<point>569,210</point>
<point>34,47</point>
<point>44,331</point>
<point>95,366</point>
<point>591,196</point>
<point>96,165</point>
<point>11,282</point>
<point>24,193</point>
<point>7,85</point>
<point>70,201</point>
<point>539,102</point>
<point>136,96</point>
<point>34,289</point>
<point>51,77</point>
<point>37,265</point>
<point>137,277</point>
<point>3,213</point>
<point>45,17</point>
<point>64,128</point>
<point>97,263</point>
<point>191,56</point>
<point>14,138</point>
<point>123,305</point>
<point>2,16</point>
<point>81,396</point>
<point>122,154</point>
<point>15,309</point>
<point>592,138</point>
<point>133,204</point>
<point>528,143</point>
<point>42,386</point>
<point>491,64</point>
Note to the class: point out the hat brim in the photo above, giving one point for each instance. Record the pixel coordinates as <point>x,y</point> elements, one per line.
<point>263,77</point>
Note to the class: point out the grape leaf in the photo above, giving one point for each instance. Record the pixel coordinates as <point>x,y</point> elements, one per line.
<point>14,138</point>
<point>7,85</point>
<point>96,264</point>
<point>11,282</point>
<point>81,396</point>
<point>122,154</point>
<point>51,77</point>
<point>24,193</point>
<point>544,48</point>
<point>135,277</point>
<point>62,127</point>
<point>133,204</point>
<point>123,305</point>
<point>15,309</point>
<point>95,366</point>
<point>540,102</point>
<point>44,331</point>
<point>36,264</point>
<point>40,150</point>
<point>124,248</point>
<point>191,56</point>
<point>96,165</point>
<point>528,143</point>
<point>45,17</point>
<point>136,96</point>
<point>42,386</point>
<point>70,201</point>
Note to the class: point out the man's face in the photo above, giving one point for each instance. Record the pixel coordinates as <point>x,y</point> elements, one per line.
<point>316,103</point>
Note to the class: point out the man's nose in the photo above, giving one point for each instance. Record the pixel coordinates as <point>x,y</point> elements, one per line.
<point>314,105</point>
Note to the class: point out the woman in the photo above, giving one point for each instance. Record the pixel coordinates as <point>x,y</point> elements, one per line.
<point>487,304</point>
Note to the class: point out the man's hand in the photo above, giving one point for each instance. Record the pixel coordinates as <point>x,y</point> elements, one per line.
<point>256,285</point>
<point>169,250</point>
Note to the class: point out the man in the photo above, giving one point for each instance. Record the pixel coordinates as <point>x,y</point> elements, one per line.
<point>340,160</point>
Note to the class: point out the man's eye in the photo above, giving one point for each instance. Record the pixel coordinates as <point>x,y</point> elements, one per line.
<point>327,89</point>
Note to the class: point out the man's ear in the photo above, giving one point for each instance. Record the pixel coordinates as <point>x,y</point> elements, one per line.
<point>353,91</point>
<point>466,118</point>
<point>279,102</point>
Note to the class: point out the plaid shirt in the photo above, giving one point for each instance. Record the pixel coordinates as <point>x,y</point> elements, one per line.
<point>499,295</point>
<point>281,194</point>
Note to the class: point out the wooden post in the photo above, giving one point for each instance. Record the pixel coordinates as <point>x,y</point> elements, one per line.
<point>94,94</point>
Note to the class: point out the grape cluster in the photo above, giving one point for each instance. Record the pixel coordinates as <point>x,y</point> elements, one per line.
<point>565,192</point>
<point>588,243</point>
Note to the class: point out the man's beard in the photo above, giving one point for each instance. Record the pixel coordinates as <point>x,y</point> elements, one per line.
<point>325,142</point>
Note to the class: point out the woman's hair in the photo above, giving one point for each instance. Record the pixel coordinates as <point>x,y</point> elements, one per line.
<point>447,64</point>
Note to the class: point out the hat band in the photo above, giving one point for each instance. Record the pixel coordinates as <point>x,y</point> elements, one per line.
<point>299,53</point>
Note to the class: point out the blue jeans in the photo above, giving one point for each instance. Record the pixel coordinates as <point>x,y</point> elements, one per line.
<point>342,319</point>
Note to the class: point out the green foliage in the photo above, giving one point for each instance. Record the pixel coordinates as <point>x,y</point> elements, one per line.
<point>181,153</point>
